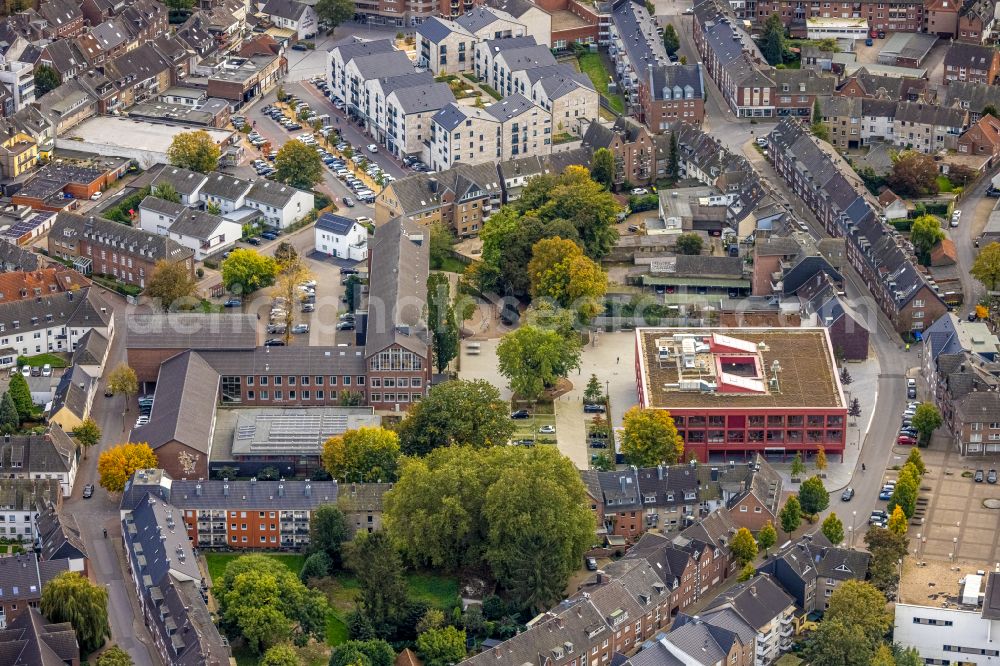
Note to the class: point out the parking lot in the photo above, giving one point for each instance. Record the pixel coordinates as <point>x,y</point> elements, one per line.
<point>956,522</point>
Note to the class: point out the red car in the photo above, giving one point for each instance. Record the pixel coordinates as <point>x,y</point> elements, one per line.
<point>906,439</point>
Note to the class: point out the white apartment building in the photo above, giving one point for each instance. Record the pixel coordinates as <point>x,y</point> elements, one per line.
<point>513,127</point>
<point>444,47</point>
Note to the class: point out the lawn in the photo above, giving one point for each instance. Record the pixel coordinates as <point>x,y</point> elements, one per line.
<point>39,360</point>
<point>542,413</point>
<point>944,185</point>
<point>592,65</point>
<point>449,265</point>
<point>217,562</point>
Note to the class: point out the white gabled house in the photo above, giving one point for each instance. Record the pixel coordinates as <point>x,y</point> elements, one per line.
<point>282,205</point>
<point>341,237</point>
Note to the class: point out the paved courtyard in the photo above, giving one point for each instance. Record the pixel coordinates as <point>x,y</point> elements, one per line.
<point>956,524</point>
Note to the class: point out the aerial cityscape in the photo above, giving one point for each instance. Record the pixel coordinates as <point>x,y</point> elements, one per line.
<point>499,333</point>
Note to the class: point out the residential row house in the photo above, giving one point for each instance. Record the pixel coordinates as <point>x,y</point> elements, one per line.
<point>839,200</point>
<point>53,456</point>
<point>971,63</point>
<point>751,88</point>
<point>98,245</point>
<point>928,128</point>
<point>811,568</point>
<point>891,16</point>
<point>658,92</point>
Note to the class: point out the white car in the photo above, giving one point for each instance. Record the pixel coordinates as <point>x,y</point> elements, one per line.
<point>547,430</point>
<point>372,148</point>
<point>96,195</point>
<point>956,218</point>
<point>761,141</point>
<point>639,191</point>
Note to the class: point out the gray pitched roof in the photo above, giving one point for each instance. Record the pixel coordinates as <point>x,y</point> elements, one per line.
<point>451,116</point>
<point>92,349</point>
<point>337,224</point>
<point>188,330</point>
<point>81,308</point>
<point>184,181</point>
<point>74,387</point>
<point>637,29</point>
<point>197,224</point>
<point>758,601</point>
<point>272,193</point>
<point>400,260</point>
<point>528,57</point>
<point>436,29</point>
<point>286,9</point>
<point>510,107</point>
<point>59,535</point>
<point>286,495</point>
<point>70,225</point>
<point>381,65</point>
<point>509,43</point>
<point>480,17</point>
<point>110,34</point>
<point>423,98</point>
<point>930,114</point>
<point>225,187</point>
<point>187,415</point>
<point>355,47</point>
<point>31,640</point>
<point>14,257</point>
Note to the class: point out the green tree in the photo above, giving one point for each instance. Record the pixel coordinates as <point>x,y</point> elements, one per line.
<point>374,652</point>
<point>298,165</point>
<point>194,150</point>
<point>986,267</point>
<point>114,656</point>
<point>990,110</point>
<point>9,421</point>
<point>743,546</point>
<point>286,255</point>
<point>897,521</point>
<point>747,572</point>
<point>926,419</point>
<point>773,40</point>
<point>245,271</point>
<point>266,604</point>
<point>432,619</point>
<point>180,4</point>
<point>798,469</point>
<point>123,380</point>
<point>689,243</point>
<point>813,496</point>
<point>856,603</point>
<point>317,565</point>
<point>281,655</point>
<point>917,461</point>
<point>441,321</point>
<point>88,434</point>
<point>533,360</point>
<point>602,167</point>
<point>573,196</point>
<point>334,12</point>
<point>791,515</point>
<point>382,594</point>
<point>924,234</point>
<point>70,597</point>
<point>213,208</point>
<point>671,40</point>
<point>172,284</point>
<point>833,529</point>
<point>328,531</point>
<point>46,79</point>
<point>594,392</point>
<point>650,438</point>
<point>117,464</point>
<point>366,455</point>
<point>21,395</point>
<point>767,537</point>
<point>558,270</point>
<point>837,644</point>
<point>441,647</point>
<point>440,244</point>
<point>167,192</point>
<point>913,174</point>
<point>459,506</point>
<point>460,411</point>
<point>906,491</point>
<point>883,656</point>
<point>673,157</point>
<point>817,116</point>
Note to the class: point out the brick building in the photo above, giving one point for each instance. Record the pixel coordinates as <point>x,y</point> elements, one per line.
<point>243,79</point>
<point>97,245</point>
<point>741,392</point>
<point>892,16</point>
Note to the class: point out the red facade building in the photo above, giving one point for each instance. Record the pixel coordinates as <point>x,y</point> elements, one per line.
<point>737,392</point>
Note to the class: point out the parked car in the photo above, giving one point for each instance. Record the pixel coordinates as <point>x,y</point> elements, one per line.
<point>885,493</point>
<point>520,414</point>
<point>991,476</point>
<point>956,217</point>
<point>46,370</point>
<point>978,478</point>
<point>906,440</point>
<point>597,444</point>
<point>911,391</point>
<point>761,141</point>
<point>233,303</point>
<point>349,202</point>
<point>547,430</point>
<point>591,564</point>
<point>88,491</point>
<point>25,370</point>
<point>300,328</point>
<point>308,307</point>
<point>847,495</point>
<point>274,342</point>
<point>372,148</point>
<point>639,191</point>
<point>96,195</point>
<point>593,409</point>
<point>275,329</point>
<point>345,326</point>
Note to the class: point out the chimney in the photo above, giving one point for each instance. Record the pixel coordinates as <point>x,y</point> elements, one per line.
<point>659,472</point>
<point>225,489</point>
<point>600,577</point>
<point>621,482</point>
<point>281,490</point>
<point>197,490</point>
<point>309,489</point>
<point>432,185</point>
<point>652,95</point>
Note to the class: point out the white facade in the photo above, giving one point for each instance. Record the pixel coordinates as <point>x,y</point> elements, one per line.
<point>877,128</point>
<point>948,635</point>
<point>284,214</point>
<point>19,79</point>
<point>222,237</point>
<point>304,26</point>
<point>352,245</point>
<point>229,202</point>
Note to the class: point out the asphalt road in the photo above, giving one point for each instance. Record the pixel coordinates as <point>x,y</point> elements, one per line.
<point>101,512</point>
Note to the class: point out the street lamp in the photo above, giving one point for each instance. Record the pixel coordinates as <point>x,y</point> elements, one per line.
<point>854,520</point>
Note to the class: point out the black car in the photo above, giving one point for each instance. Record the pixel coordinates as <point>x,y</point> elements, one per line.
<point>993,192</point>
<point>274,342</point>
<point>991,476</point>
<point>520,414</point>
<point>348,271</point>
<point>593,409</point>
<point>349,202</point>
<point>345,326</point>
<point>591,564</point>
<point>253,240</point>
<point>911,392</point>
<point>847,495</point>
<point>233,303</point>
<point>597,444</point>
<point>88,491</point>
<point>299,47</point>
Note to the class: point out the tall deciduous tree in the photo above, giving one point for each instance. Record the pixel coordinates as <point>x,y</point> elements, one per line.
<point>743,546</point>
<point>798,469</point>
<point>441,320</point>
<point>375,652</point>
<point>117,464</point>
<point>460,411</point>
<point>334,12</point>
<point>441,647</point>
<point>856,603</point>
<point>532,359</point>
<point>671,40</point>
<point>70,597</point>
<point>602,167</point>
<point>46,79</point>
<point>917,461</point>
<point>114,656</point>
<point>123,380</point>
<point>650,438</point>
<point>813,496</point>
<point>673,158</point>
<point>767,537</point>
<point>897,521</point>
<point>281,655</point>
<point>926,419</point>
<point>88,434</point>
<point>382,597</point>
<point>194,150</point>
<point>833,529</point>
<point>298,165</point>
<point>689,243</point>
<point>913,174</point>
<point>594,391</point>
<point>171,283</point>
<point>246,271</point>
<point>366,455</point>
<point>791,515</point>
<point>558,270</point>
<point>167,192</point>
<point>986,267</point>
<point>924,234</point>
<point>328,531</point>
<point>20,393</point>
<point>292,273</point>
<point>820,458</point>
